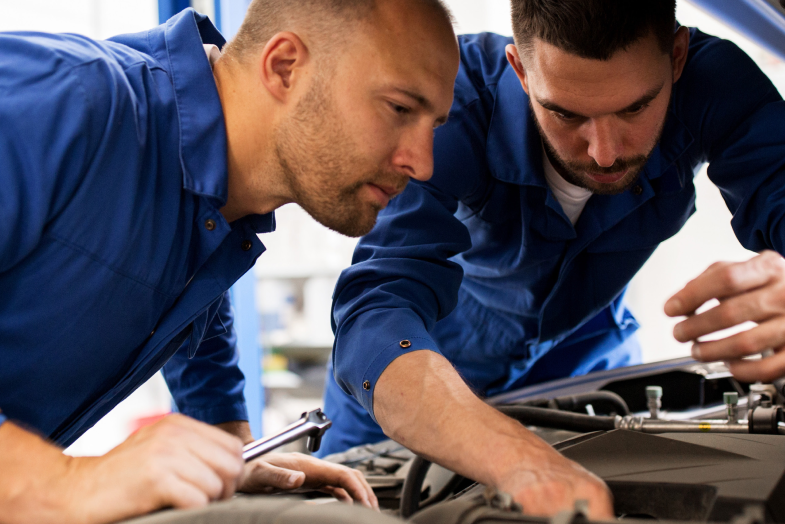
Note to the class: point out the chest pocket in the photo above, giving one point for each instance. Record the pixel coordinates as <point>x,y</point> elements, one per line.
<point>206,326</point>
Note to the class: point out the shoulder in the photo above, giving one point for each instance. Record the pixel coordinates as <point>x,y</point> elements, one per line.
<point>720,87</point>
<point>483,62</point>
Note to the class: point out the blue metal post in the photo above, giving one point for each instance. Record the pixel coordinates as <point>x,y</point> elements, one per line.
<point>228,17</point>
<point>246,325</point>
<point>231,15</point>
<point>756,19</point>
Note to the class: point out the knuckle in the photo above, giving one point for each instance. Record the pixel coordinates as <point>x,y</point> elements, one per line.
<point>731,277</point>
<point>772,262</point>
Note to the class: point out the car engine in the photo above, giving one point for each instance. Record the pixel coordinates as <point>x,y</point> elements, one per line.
<point>674,441</point>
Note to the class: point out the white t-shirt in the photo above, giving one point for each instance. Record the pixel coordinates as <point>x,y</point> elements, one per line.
<point>571,197</point>
<point>213,53</point>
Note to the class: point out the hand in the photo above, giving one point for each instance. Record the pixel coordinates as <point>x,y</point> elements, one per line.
<point>177,462</point>
<point>281,471</point>
<point>748,291</point>
<point>554,485</point>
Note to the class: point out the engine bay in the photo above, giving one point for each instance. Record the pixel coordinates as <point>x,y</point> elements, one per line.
<point>674,441</point>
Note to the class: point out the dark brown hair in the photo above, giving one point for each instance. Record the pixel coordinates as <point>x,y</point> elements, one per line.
<point>592,28</point>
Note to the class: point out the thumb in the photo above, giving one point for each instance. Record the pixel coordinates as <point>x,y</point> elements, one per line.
<point>264,476</point>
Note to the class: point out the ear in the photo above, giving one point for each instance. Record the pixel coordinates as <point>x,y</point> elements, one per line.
<point>681,47</point>
<point>514,58</point>
<point>284,62</point>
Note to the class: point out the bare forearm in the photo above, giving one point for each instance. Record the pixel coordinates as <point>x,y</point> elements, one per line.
<point>422,402</point>
<point>30,467</point>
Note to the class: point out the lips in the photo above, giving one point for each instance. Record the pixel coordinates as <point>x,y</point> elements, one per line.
<point>607,178</point>
<point>390,191</point>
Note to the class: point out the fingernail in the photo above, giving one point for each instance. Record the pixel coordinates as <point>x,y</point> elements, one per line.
<point>677,329</point>
<point>696,352</point>
<point>293,479</point>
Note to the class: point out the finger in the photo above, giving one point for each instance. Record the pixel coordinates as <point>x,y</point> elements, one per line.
<point>724,280</point>
<point>230,443</point>
<point>764,370</point>
<point>747,343</point>
<point>196,473</point>
<point>320,473</point>
<point>261,476</point>
<point>175,492</point>
<point>747,307</point>
<point>212,450</point>
<point>338,493</point>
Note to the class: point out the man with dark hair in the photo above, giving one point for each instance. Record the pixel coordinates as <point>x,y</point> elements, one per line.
<point>568,157</point>
<point>136,174</point>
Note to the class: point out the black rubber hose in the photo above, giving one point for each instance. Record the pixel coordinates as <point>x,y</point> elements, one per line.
<point>599,399</point>
<point>412,486</point>
<point>552,418</point>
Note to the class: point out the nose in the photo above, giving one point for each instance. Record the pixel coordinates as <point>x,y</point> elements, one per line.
<point>604,141</point>
<point>414,155</point>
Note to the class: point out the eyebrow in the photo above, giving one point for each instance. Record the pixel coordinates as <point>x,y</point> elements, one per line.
<point>421,101</point>
<point>645,99</point>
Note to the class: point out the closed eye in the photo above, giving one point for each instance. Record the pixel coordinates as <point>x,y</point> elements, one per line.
<point>565,116</point>
<point>634,110</point>
<point>401,110</point>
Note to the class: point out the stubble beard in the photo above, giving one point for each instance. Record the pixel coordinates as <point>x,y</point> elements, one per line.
<point>317,160</point>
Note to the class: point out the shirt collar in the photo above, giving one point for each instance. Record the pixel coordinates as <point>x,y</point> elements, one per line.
<point>513,146</point>
<point>202,129</point>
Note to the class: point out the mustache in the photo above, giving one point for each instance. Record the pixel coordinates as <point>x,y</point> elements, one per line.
<point>620,165</point>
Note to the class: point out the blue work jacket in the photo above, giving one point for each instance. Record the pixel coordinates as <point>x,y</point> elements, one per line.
<point>482,265</point>
<point>114,258</point>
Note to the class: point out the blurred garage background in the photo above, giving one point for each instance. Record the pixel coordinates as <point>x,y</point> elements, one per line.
<point>283,308</point>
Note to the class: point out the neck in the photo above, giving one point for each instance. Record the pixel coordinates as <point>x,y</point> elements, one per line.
<point>255,180</point>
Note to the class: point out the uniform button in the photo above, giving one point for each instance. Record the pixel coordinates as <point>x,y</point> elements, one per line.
<point>246,245</point>
<point>637,190</point>
<point>209,224</point>
<point>367,385</point>
<point>405,343</point>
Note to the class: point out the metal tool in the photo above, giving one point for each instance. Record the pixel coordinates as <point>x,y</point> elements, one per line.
<point>312,424</point>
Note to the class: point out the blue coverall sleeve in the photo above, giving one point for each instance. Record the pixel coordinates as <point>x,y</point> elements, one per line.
<point>402,280</point>
<point>203,377</point>
<point>743,139</point>
<point>44,142</point>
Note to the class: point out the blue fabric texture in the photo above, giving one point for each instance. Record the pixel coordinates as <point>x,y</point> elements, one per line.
<point>112,162</point>
<point>482,265</point>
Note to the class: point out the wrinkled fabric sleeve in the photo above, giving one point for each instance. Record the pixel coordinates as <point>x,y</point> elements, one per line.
<point>208,385</point>
<point>402,280</point>
<point>742,136</point>
<point>44,142</point>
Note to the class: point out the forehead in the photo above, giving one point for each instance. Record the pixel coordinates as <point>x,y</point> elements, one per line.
<point>407,46</point>
<point>591,87</point>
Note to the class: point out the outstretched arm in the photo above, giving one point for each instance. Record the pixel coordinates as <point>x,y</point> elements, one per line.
<point>423,403</point>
